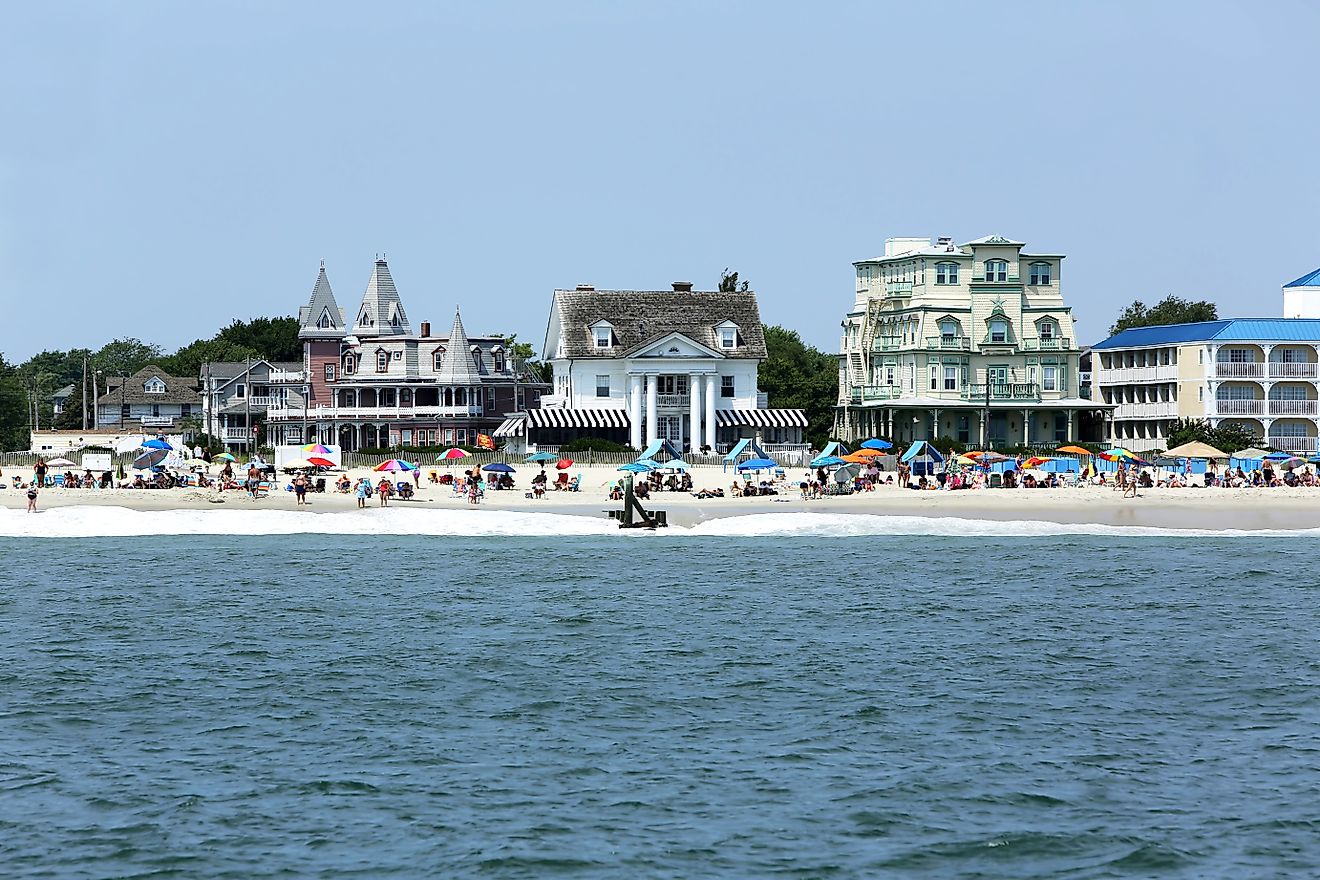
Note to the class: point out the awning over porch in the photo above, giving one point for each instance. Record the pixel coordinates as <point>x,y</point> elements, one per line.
<point>761,418</point>
<point>510,427</point>
<point>556,417</point>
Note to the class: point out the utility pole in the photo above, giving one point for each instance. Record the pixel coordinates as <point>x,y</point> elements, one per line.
<point>84,392</point>
<point>247,406</point>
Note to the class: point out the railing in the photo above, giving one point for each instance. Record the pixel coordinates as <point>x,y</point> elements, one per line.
<point>1240,407</point>
<point>156,421</point>
<point>949,343</point>
<point>1026,391</point>
<point>1292,407</point>
<point>237,433</point>
<point>888,343</point>
<point>1007,340</point>
<point>898,288</point>
<point>1292,370</point>
<point>1123,375</point>
<point>373,413</point>
<point>1153,410</point>
<point>1295,445</point>
<point>881,392</point>
<point>297,376</point>
<point>1053,343</point>
<point>1239,370</point>
<point>672,400</point>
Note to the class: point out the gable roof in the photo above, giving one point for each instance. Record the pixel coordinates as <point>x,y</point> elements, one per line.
<point>321,303</point>
<point>379,302</point>
<point>642,316</point>
<point>1231,330</point>
<point>456,366</point>
<point>994,239</point>
<point>178,389</point>
<point>1310,279</point>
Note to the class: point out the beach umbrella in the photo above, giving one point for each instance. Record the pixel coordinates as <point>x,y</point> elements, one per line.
<point>854,458</point>
<point>965,460</point>
<point>877,444</point>
<point>60,462</point>
<point>1073,450</point>
<point>846,474</point>
<point>827,461</point>
<point>868,451</point>
<point>543,456</point>
<point>395,464</point>
<point>1035,461</point>
<point>498,467</point>
<point>676,464</point>
<point>295,464</point>
<point>650,463</point>
<point>1277,456</point>
<point>451,453</point>
<point>564,464</point>
<point>757,464</point>
<point>130,443</point>
<point>635,467</point>
<point>156,443</point>
<point>150,458</point>
<point>317,449</point>
<point>317,461</point>
<point>224,456</point>
<point>1195,449</point>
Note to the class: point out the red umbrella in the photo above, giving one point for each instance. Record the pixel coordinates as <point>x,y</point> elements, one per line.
<point>564,464</point>
<point>320,462</point>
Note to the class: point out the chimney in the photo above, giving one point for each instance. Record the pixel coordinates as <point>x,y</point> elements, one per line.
<point>426,329</point>
<point>683,286</point>
<point>585,287</point>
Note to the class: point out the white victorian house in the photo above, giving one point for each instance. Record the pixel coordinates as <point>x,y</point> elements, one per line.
<point>636,366</point>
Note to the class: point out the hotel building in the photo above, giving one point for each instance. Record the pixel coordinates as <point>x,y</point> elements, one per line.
<point>971,342</point>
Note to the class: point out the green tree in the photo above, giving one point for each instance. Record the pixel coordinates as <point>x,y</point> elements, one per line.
<point>1170,310</point>
<point>523,357</point>
<point>188,360</point>
<point>729,282</point>
<point>15,412</point>
<point>124,357</point>
<point>274,339</point>
<point>798,376</point>
<point>1225,438</point>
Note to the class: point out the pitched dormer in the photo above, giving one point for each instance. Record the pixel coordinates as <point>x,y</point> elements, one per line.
<point>727,336</point>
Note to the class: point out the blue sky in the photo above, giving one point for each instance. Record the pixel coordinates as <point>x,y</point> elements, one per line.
<point>167,167</point>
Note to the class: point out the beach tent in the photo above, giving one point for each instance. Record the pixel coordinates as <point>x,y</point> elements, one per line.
<point>658,446</point>
<point>744,447</point>
<point>923,457</point>
<point>834,447</point>
<point>1061,466</point>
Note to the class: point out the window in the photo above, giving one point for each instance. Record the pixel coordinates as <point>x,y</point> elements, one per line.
<point>948,330</point>
<point>1040,273</point>
<point>155,410</point>
<point>154,386</point>
<point>240,390</point>
<point>476,358</point>
<point>950,378</point>
<point>349,364</point>
<point>996,270</point>
<point>324,322</point>
<point>382,361</point>
<point>396,355</point>
<point>726,386</point>
<point>1239,356</point>
<point>185,410</point>
<point>329,372</point>
<point>123,410</point>
<point>602,386</point>
<point>603,337</point>
<point>934,377</point>
<point>946,273</point>
<point>999,331</point>
<point>364,319</point>
<point>1235,392</point>
<point>1050,378</point>
<point>1047,330</point>
<point>728,337</point>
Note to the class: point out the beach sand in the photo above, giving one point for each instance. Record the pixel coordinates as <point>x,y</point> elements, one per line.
<point>1198,508</point>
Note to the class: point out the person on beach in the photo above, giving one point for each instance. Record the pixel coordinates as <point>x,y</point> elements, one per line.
<point>32,498</point>
<point>300,488</point>
<point>384,490</point>
<point>39,472</point>
<point>361,493</point>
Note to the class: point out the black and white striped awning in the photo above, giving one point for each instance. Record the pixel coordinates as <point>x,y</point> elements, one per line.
<point>761,418</point>
<point>512,427</point>
<point>556,417</point>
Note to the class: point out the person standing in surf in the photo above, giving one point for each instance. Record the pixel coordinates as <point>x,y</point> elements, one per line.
<point>32,498</point>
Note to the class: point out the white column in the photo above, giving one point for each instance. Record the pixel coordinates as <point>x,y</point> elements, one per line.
<point>635,412</point>
<point>651,429</point>
<point>694,412</point>
<point>711,391</point>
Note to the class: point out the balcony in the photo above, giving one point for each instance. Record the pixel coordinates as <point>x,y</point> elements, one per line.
<point>372,413</point>
<point>1292,407</point>
<point>1165,409</point>
<point>157,421</point>
<point>949,343</point>
<point>1295,445</point>
<point>672,401</point>
<point>237,434</point>
<point>288,376</point>
<point>1239,370</point>
<point>887,343</point>
<point>1239,407</point>
<point>1126,375</point>
<point>1292,370</point>
<point>898,288</point>
<point>1028,392</point>
<point>881,392</point>
<point>1052,343</point>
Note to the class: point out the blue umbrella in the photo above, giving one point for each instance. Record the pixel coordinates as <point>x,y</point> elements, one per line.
<point>877,444</point>
<point>156,443</point>
<point>498,467</point>
<point>648,463</point>
<point>827,461</point>
<point>677,464</point>
<point>1279,456</point>
<point>543,456</point>
<point>757,464</point>
<point>635,467</point>
<point>150,459</point>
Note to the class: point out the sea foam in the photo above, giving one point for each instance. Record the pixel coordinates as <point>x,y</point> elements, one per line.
<point>112,522</point>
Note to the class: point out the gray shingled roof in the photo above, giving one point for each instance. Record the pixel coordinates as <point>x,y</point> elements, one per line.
<point>456,366</point>
<point>642,316</point>
<point>322,301</point>
<point>178,389</point>
<point>379,302</point>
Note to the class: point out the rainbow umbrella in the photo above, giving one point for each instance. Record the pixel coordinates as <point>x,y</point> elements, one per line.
<point>452,453</point>
<point>395,464</point>
<point>317,449</point>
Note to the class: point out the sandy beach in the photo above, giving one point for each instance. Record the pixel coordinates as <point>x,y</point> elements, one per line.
<point>1192,508</point>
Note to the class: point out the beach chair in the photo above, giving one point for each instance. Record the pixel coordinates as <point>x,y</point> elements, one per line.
<point>320,485</point>
<point>263,488</point>
<point>561,481</point>
<point>995,481</point>
<point>59,480</point>
<point>576,485</point>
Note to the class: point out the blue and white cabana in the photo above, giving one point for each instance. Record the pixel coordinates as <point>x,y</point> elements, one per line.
<point>923,457</point>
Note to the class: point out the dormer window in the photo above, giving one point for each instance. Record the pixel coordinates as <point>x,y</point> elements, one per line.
<point>476,357</point>
<point>728,337</point>
<point>324,321</point>
<point>949,330</point>
<point>349,364</point>
<point>999,331</point>
<point>438,358</point>
<point>153,386</point>
<point>604,335</point>
<point>996,270</point>
<point>946,273</point>
<point>365,319</point>
<point>1048,330</point>
<point>382,361</point>
<point>1040,273</point>
<point>497,355</point>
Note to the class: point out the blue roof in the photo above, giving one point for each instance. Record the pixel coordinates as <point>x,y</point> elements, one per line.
<point>1310,279</point>
<point>1236,329</point>
<point>1164,334</point>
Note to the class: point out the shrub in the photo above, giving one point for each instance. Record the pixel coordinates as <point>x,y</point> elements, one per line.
<point>594,444</point>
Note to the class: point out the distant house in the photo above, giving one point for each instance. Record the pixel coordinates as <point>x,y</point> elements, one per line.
<point>60,398</point>
<point>149,400</point>
<point>636,366</point>
<point>237,394</point>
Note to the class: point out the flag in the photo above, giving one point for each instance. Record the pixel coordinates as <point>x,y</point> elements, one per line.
<point>485,441</point>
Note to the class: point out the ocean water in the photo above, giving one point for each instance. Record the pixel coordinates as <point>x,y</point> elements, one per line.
<point>525,696</point>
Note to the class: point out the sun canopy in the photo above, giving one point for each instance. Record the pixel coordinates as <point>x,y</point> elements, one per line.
<point>922,449</point>
<point>658,446</point>
<point>827,461</point>
<point>1194,449</point>
<point>745,446</point>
